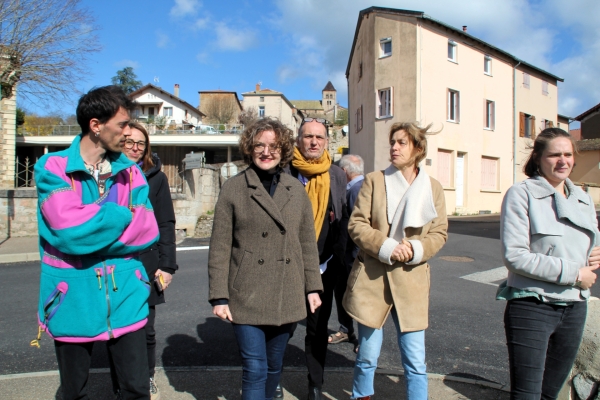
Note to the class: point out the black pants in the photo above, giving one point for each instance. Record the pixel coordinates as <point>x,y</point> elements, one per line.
<point>543,340</point>
<point>150,347</point>
<point>315,342</point>
<point>130,364</point>
<point>346,323</point>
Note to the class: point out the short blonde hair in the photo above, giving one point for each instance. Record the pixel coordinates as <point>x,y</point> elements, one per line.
<point>417,135</point>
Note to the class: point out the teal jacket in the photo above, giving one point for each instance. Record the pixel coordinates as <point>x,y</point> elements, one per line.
<point>92,287</point>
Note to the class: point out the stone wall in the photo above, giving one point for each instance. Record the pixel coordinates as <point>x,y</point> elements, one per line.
<point>18,212</point>
<point>8,115</point>
<point>200,194</point>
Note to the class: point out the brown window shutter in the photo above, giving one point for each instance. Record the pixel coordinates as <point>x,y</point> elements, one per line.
<point>522,124</point>
<point>493,116</point>
<point>533,126</point>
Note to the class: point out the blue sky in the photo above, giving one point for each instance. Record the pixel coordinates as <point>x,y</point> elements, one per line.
<point>296,46</point>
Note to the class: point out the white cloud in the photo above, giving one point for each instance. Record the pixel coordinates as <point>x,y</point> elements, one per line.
<point>232,39</point>
<point>201,23</point>
<point>530,30</point>
<point>162,40</point>
<point>127,63</point>
<point>185,7</point>
<point>203,57</point>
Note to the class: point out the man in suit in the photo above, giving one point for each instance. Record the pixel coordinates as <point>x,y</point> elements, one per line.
<point>325,185</point>
<point>353,165</point>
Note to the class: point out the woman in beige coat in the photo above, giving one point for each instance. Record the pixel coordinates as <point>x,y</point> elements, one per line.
<point>399,222</point>
<point>263,263</point>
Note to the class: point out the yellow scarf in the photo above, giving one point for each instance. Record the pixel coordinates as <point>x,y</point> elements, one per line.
<point>317,187</point>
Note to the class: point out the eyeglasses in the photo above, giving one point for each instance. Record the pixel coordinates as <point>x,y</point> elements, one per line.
<point>319,120</point>
<point>141,145</point>
<point>272,148</point>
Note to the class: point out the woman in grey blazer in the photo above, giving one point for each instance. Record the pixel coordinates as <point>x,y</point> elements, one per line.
<point>263,264</point>
<point>549,234</point>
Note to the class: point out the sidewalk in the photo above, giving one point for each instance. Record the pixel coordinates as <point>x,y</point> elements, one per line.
<point>225,384</point>
<point>19,249</point>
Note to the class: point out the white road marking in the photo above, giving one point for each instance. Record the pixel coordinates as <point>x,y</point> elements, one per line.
<point>192,248</point>
<point>489,276</point>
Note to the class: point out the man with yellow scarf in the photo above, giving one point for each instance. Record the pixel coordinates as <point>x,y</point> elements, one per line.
<point>326,188</point>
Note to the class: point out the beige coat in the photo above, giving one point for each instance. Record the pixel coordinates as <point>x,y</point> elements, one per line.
<point>375,287</point>
<point>263,255</point>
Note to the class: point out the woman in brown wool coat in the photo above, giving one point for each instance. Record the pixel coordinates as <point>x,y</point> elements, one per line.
<point>399,222</point>
<point>263,263</point>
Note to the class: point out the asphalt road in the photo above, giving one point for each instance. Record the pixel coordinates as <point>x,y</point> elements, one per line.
<point>465,337</point>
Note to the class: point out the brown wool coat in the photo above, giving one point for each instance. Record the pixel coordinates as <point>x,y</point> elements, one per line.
<point>263,255</point>
<point>375,287</point>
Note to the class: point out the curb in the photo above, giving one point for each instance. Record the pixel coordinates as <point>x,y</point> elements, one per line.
<point>19,257</point>
<point>437,377</point>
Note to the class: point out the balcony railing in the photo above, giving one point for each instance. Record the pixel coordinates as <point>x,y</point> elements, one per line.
<point>153,129</point>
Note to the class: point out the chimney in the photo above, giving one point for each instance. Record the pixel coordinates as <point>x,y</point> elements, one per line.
<point>258,87</point>
<point>176,90</point>
<point>464,28</point>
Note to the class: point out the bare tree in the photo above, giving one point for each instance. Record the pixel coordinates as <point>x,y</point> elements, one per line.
<point>248,116</point>
<point>220,108</point>
<point>44,46</point>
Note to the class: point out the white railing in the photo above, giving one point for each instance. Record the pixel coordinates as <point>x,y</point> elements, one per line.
<point>153,129</point>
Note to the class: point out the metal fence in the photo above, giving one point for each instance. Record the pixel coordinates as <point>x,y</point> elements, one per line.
<point>24,173</point>
<point>175,176</point>
<point>153,129</point>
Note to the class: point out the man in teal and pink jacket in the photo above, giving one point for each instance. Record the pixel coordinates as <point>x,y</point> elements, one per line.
<point>94,217</point>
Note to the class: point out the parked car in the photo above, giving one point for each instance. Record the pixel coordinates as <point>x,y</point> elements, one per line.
<point>206,129</point>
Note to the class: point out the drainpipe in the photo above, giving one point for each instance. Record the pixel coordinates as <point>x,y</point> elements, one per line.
<point>515,122</point>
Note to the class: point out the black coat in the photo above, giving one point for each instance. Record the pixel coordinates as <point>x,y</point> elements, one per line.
<point>161,254</point>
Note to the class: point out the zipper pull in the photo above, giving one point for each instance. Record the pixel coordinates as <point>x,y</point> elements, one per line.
<point>112,274</point>
<point>36,342</point>
<point>99,276</point>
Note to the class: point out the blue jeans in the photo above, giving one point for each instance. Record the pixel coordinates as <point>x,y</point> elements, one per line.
<point>262,348</point>
<point>543,340</point>
<point>412,350</point>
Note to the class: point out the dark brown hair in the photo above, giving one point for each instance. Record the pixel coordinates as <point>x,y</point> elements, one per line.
<point>284,138</point>
<point>540,144</point>
<point>417,135</point>
<point>147,162</point>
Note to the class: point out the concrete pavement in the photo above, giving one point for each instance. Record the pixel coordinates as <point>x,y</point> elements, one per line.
<point>225,384</point>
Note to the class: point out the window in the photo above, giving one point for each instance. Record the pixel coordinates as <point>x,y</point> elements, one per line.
<point>261,111</point>
<point>168,111</point>
<point>487,65</point>
<point>526,125</point>
<point>490,115</point>
<point>489,173</point>
<point>452,56</point>
<point>360,70</point>
<point>384,103</point>
<point>136,113</point>
<point>385,47</point>
<point>359,119</point>
<point>526,80</point>
<point>453,106</point>
<point>328,102</point>
<point>548,124</point>
<point>444,168</point>
<point>261,99</point>
<point>545,88</point>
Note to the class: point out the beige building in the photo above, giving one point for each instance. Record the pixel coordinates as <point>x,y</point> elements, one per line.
<point>220,106</point>
<point>270,103</point>
<point>328,107</point>
<point>405,66</point>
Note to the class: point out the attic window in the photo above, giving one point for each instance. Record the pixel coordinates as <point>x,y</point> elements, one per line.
<point>385,47</point>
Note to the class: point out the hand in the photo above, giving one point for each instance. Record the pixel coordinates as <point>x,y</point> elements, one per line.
<point>223,312</point>
<point>587,277</point>
<point>402,252</point>
<point>595,256</point>
<point>314,301</point>
<point>167,277</point>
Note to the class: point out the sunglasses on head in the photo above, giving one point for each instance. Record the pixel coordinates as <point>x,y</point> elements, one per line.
<point>320,120</point>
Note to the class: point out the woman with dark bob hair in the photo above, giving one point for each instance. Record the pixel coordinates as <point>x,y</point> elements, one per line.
<point>263,263</point>
<point>549,235</point>
<point>399,223</point>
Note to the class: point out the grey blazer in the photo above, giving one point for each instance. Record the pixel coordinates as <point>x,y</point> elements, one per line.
<point>546,238</point>
<point>263,255</point>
